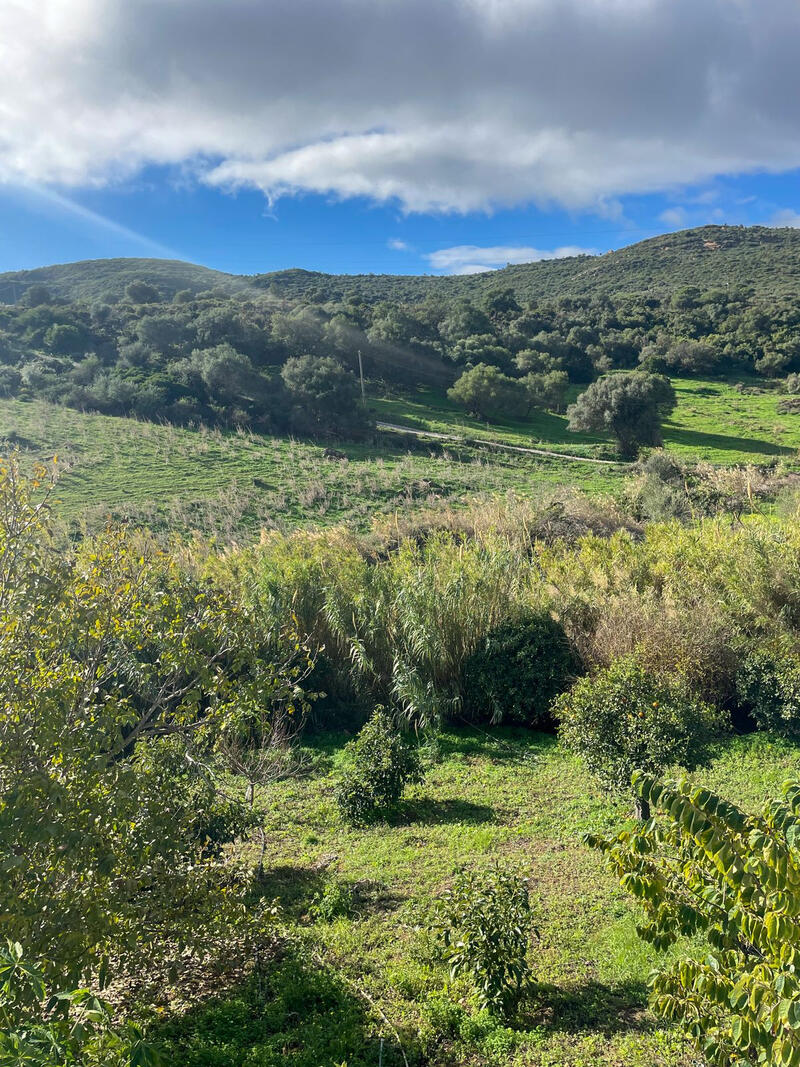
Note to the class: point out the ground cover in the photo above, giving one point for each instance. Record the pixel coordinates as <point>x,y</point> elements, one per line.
<point>366,969</point>
<point>714,421</point>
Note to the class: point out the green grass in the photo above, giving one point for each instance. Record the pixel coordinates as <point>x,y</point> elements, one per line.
<point>224,484</point>
<point>713,422</point>
<point>512,797</point>
<point>231,485</point>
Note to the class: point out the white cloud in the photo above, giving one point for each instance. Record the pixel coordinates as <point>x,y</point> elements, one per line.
<point>473,259</point>
<point>674,216</point>
<point>397,245</point>
<point>786,217</point>
<point>456,105</point>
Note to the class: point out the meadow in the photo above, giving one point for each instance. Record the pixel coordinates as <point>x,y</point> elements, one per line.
<point>233,484</point>
<point>365,969</point>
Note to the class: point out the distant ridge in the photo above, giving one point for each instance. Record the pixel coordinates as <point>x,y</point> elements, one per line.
<point>105,279</point>
<point>759,258</point>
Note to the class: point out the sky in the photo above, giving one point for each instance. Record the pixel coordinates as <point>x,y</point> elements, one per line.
<point>400,136</point>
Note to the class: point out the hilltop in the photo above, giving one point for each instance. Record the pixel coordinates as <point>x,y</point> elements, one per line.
<point>754,257</point>
<point>758,258</point>
<point>105,279</point>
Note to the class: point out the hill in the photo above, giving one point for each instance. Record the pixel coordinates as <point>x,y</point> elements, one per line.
<point>753,257</point>
<point>105,279</point>
<point>758,258</point>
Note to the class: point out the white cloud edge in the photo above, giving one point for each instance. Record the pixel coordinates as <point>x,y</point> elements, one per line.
<point>476,259</point>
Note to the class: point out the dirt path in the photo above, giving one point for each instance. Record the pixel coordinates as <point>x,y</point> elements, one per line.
<point>499,444</point>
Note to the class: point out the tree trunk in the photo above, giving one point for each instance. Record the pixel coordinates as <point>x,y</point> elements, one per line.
<point>641,809</point>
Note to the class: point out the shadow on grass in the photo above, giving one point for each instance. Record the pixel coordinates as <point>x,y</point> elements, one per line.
<point>504,744</point>
<point>605,1009</point>
<point>447,812</point>
<point>295,1013</point>
<point>294,887</point>
<point>674,435</point>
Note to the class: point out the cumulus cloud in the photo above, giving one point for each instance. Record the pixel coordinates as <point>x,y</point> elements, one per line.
<point>457,105</point>
<point>786,217</point>
<point>473,259</point>
<point>397,245</point>
<point>674,216</point>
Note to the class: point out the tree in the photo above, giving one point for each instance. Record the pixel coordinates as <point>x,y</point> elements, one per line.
<point>484,925</point>
<point>484,391</point>
<point>379,765</point>
<point>704,867</point>
<point>325,394</point>
<point>140,292</point>
<point>625,719</point>
<point>120,668</point>
<point>548,390</point>
<point>630,405</point>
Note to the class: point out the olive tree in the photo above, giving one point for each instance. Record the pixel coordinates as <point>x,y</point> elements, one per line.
<point>631,406</point>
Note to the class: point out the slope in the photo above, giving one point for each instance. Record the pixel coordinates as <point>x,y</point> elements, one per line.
<point>105,279</point>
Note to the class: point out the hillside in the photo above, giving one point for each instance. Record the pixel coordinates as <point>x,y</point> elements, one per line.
<point>753,257</point>
<point>105,279</point>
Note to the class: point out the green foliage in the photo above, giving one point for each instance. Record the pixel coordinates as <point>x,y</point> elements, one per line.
<point>486,391</point>
<point>624,719</point>
<point>631,406</point>
<point>333,901</point>
<point>297,1014</point>
<point>484,924</point>
<point>121,668</point>
<point>768,685</point>
<point>39,1028</point>
<point>517,671</point>
<point>703,866</point>
<point>379,765</point>
<point>325,394</point>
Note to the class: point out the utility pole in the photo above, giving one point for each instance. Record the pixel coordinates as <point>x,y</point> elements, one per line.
<point>361,376</point>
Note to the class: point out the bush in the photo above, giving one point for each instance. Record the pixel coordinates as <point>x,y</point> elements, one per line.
<point>484,924</point>
<point>768,685</point>
<point>518,671</point>
<point>625,719</point>
<point>379,765</point>
<point>334,901</point>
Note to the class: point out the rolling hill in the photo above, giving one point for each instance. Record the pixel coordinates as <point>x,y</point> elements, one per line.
<point>105,279</point>
<point>753,257</point>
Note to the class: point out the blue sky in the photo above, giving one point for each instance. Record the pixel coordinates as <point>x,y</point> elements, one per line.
<point>402,136</point>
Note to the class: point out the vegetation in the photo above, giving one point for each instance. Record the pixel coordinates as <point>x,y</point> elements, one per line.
<point>484,922</point>
<point>630,406</point>
<point>624,719</point>
<point>705,866</point>
<point>379,765</point>
<point>517,670</point>
<point>199,858</point>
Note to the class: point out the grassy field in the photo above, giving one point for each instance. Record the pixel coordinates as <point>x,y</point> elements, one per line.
<point>218,483</point>
<point>233,484</point>
<point>713,421</point>
<point>342,984</point>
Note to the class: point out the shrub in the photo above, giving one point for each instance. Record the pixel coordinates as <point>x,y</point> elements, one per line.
<point>379,765</point>
<point>335,900</point>
<point>768,684</point>
<point>484,925</point>
<point>625,719</point>
<point>518,671</point>
<point>703,866</point>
